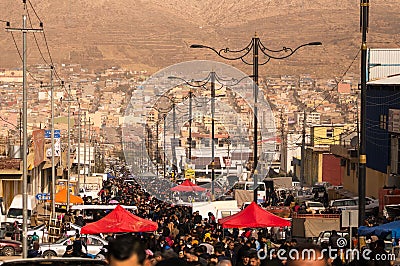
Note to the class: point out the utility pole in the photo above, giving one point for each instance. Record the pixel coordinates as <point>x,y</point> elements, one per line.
<point>228,140</point>
<point>24,31</point>
<point>84,150</point>
<point>173,148</point>
<point>90,147</point>
<point>283,145</point>
<point>79,146</point>
<point>53,166</point>
<point>364,5</point>
<point>190,125</point>
<point>212,135</point>
<point>53,170</point>
<point>157,147</point>
<point>303,150</point>
<point>95,167</point>
<point>69,146</point>
<point>164,144</point>
<point>20,135</point>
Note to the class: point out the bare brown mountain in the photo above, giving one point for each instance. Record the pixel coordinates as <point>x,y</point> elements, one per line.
<point>152,34</point>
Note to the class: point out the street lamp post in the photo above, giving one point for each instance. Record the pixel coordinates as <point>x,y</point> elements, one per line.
<point>190,124</point>
<point>256,46</point>
<point>164,139</point>
<point>164,150</point>
<point>157,147</point>
<point>173,142</point>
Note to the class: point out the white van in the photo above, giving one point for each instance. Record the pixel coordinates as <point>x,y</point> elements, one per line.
<point>344,204</point>
<point>14,213</point>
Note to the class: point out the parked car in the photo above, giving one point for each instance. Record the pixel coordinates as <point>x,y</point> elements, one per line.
<point>371,204</point>
<point>323,184</point>
<point>318,193</point>
<point>314,207</point>
<point>304,195</point>
<point>391,211</point>
<point>344,204</point>
<point>54,261</point>
<point>10,247</point>
<point>324,236</point>
<point>41,231</point>
<point>94,244</point>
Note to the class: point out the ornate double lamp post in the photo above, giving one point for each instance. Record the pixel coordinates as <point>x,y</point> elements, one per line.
<point>255,46</point>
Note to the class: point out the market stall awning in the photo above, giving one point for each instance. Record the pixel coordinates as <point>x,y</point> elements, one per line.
<point>120,221</point>
<point>61,197</point>
<point>188,186</point>
<point>253,216</point>
<point>381,230</point>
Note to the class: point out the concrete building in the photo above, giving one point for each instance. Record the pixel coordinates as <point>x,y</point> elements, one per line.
<point>325,135</point>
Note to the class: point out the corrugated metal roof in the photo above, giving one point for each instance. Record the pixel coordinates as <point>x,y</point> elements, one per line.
<point>383,63</point>
<point>395,80</point>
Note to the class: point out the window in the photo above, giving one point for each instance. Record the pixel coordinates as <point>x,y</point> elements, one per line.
<point>315,204</point>
<point>225,214</point>
<point>338,203</point>
<point>394,155</point>
<point>329,133</point>
<point>382,121</point>
<point>93,241</point>
<point>220,143</point>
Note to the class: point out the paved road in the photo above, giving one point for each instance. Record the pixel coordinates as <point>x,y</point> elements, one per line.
<point>4,258</point>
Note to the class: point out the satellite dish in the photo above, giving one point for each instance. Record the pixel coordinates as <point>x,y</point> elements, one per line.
<point>354,141</point>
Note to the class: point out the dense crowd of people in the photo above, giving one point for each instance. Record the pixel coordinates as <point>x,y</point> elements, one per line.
<point>182,238</point>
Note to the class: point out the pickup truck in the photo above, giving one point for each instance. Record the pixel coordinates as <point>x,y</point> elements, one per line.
<point>90,186</point>
<point>324,236</point>
<point>91,191</point>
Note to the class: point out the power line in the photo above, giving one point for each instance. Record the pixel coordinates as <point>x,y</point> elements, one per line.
<point>4,120</point>
<point>335,87</point>
<point>30,3</point>
<point>20,56</point>
<point>340,80</point>
<point>34,36</point>
<point>47,47</point>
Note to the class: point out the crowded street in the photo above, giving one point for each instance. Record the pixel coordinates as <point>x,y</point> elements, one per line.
<point>185,237</point>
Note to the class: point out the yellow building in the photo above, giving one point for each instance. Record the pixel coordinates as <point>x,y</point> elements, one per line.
<point>325,135</point>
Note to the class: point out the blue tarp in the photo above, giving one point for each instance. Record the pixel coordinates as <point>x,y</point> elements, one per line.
<point>381,230</point>
<point>110,176</point>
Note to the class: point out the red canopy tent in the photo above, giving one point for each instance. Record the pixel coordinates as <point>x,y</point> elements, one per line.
<point>253,216</point>
<point>120,221</point>
<point>188,186</point>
